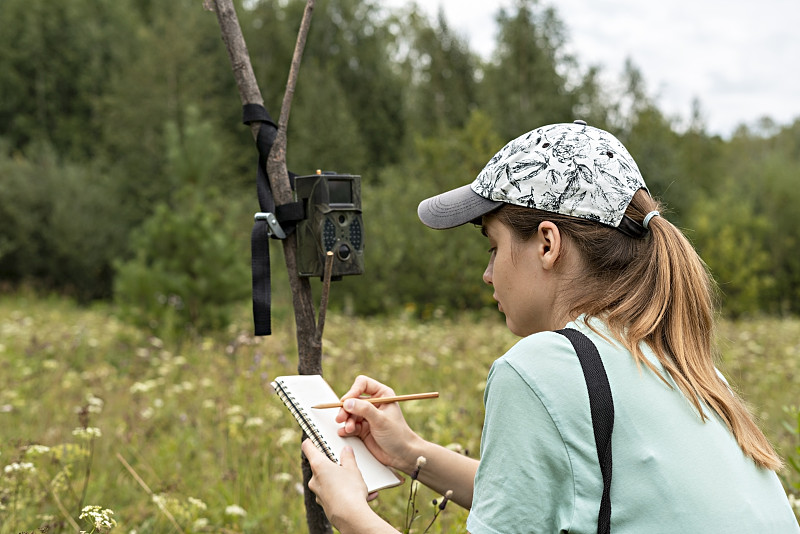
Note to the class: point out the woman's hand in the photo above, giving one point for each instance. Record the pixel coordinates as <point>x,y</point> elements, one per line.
<point>340,489</point>
<point>382,428</point>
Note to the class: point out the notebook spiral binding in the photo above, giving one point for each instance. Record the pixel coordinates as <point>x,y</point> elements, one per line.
<point>303,420</point>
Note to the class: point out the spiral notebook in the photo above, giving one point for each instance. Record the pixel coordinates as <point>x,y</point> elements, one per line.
<point>299,393</point>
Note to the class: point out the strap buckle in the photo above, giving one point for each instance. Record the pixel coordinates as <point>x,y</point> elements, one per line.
<point>272,223</point>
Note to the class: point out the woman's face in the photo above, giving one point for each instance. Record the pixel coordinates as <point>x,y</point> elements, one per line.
<point>521,275</point>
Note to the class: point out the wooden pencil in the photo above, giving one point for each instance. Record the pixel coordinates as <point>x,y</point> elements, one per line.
<point>383,400</point>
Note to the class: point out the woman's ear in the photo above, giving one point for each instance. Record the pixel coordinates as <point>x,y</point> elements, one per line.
<point>550,244</point>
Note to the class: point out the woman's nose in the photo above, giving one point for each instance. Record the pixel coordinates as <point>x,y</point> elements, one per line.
<point>487,274</point>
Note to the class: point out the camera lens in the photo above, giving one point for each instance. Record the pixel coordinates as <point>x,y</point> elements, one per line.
<point>344,252</point>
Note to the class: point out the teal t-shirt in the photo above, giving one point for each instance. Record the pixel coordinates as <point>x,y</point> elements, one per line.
<point>671,472</point>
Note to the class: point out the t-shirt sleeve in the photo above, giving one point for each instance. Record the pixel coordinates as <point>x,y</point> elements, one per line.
<point>524,481</point>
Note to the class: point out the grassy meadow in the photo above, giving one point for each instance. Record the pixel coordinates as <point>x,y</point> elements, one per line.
<point>187,437</point>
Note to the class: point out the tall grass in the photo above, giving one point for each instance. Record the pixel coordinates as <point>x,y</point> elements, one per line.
<point>191,438</point>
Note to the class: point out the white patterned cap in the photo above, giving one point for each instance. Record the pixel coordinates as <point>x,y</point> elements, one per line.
<point>571,169</point>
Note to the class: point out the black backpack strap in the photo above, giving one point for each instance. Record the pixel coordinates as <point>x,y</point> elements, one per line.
<point>602,408</point>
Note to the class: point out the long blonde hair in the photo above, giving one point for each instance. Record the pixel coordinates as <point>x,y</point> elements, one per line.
<point>657,290</point>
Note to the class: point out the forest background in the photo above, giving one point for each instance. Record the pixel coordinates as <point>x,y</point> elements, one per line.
<point>127,185</point>
<point>121,139</point>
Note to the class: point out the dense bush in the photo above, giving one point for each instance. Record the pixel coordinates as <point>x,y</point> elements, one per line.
<point>186,272</point>
<point>62,223</point>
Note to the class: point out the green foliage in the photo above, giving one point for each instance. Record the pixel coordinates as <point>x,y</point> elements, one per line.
<point>352,41</point>
<point>731,239</point>
<point>109,109</point>
<point>765,173</point>
<point>522,86</point>
<point>56,60</point>
<point>333,140</point>
<point>63,223</point>
<point>443,70</point>
<point>187,269</point>
<point>409,265</point>
<point>178,72</point>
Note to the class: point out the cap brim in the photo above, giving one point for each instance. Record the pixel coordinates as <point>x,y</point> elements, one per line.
<point>455,208</point>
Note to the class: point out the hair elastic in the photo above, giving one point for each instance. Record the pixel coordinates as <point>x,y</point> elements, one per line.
<point>649,216</point>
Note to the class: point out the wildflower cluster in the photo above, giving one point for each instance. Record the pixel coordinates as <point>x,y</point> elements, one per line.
<point>19,467</point>
<point>234,510</point>
<point>87,433</point>
<point>100,518</point>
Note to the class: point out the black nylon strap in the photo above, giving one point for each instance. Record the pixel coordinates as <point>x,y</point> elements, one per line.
<point>259,238</point>
<point>601,405</point>
<point>262,290</point>
<point>287,216</point>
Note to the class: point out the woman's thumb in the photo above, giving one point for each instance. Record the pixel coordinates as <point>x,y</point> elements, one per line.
<point>359,407</point>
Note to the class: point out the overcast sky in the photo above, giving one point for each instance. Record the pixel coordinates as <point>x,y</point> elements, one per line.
<point>740,58</point>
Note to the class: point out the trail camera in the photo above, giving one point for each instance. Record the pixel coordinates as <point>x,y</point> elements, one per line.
<point>333,223</point>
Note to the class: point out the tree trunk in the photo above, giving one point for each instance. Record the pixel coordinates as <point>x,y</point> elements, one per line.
<point>309,348</point>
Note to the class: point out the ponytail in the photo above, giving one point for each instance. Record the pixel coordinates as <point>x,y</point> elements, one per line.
<point>655,290</point>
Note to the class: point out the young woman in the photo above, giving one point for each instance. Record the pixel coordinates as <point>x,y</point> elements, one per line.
<point>576,241</point>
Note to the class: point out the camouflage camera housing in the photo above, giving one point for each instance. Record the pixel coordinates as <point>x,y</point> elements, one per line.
<point>333,223</point>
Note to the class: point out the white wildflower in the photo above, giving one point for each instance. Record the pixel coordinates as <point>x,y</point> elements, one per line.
<point>87,434</point>
<point>794,502</point>
<point>143,387</point>
<point>99,517</point>
<point>282,477</point>
<point>455,447</point>
<point>18,467</point>
<point>288,435</point>
<point>197,503</point>
<point>235,510</point>
<point>235,410</point>
<point>253,422</point>
<point>36,450</point>
<point>94,404</point>
<point>160,501</point>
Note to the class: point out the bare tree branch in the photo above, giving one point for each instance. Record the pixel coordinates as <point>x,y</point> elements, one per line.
<point>309,347</point>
